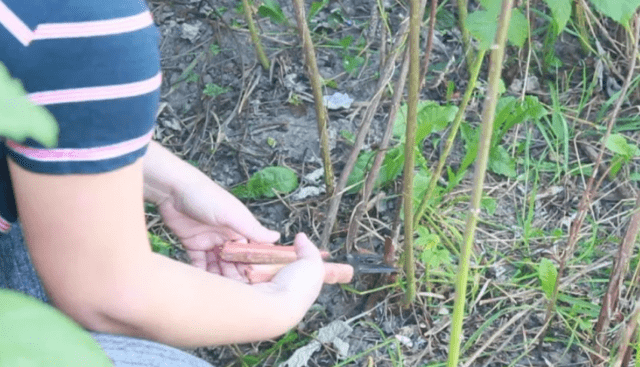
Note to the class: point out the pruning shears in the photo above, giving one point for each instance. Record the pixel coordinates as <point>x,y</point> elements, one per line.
<point>260,262</point>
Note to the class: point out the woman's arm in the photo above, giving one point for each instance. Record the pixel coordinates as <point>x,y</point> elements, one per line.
<point>88,241</point>
<point>201,213</point>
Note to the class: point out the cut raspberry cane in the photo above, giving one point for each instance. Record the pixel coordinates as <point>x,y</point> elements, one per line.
<point>259,253</point>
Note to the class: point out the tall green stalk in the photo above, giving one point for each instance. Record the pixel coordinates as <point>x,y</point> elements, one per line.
<point>466,36</point>
<point>264,60</point>
<point>473,78</point>
<point>488,115</point>
<point>409,147</point>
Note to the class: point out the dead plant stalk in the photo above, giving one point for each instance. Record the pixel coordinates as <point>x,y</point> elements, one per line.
<point>409,149</point>
<point>620,265</point>
<point>488,115</point>
<point>363,130</point>
<point>591,188</point>
<point>316,87</point>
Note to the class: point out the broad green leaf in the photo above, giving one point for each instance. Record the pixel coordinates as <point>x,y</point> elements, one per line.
<point>489,204</point>
<point>518,28</point>
<point>492,6</point>
<point>619,10</point>
<point>547,274</point>
<point>431,117</point>
<point>36,334</point>
<point>501,162</point>
<point>21,119</point>
<point>391,168</point>
<point>272,9</point>
<point>483,25</point>
<point>266,182</point>
<point>617,143</point>
<point>561,11</point>
<point>420,184</point>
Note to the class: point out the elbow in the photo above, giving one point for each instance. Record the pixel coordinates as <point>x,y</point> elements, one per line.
<point>110,309</point>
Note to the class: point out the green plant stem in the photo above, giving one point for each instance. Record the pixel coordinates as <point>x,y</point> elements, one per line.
<point>316,87</point>
<point>466,37</point>
<point>409,147</point>
<point>473,78</point>
<point>264,60</point>
<point>488,115</point>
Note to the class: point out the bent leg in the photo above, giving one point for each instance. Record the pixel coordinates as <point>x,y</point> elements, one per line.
<point>125,351</point>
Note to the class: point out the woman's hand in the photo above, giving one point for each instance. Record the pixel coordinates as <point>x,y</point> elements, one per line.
<point>301,280</point>
<point>201,213</point>
<point>204,216</point>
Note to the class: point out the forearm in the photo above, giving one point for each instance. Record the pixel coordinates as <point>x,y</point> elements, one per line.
<point>177,304</point>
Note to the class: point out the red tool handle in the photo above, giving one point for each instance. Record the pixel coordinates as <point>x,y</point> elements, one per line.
<point>259,253</point>
<point>333,272</point>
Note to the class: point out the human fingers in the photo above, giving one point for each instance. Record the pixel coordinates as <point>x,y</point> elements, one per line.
<point>304,276</point>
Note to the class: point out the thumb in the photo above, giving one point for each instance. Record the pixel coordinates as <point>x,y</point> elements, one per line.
<point>305,249</point>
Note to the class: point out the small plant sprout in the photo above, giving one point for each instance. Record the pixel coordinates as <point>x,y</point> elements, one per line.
<point>213,90</point>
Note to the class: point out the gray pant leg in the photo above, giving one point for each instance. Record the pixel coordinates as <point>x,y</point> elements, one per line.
<point>129,352</point>
<point>17,273</point>
<point>16,269</point>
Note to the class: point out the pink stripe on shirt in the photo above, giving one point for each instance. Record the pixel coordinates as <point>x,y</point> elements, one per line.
<point>15,25</point>
<point>93,28</point>
<point>96,93</point>
<point>5,226</point>
<point>81,154</point>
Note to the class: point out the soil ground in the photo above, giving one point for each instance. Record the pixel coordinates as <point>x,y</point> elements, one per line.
<point>262,118</point>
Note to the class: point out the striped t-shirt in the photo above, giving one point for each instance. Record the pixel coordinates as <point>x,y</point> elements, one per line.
<point>95,65</point>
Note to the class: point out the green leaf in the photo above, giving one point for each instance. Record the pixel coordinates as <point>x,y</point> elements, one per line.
<point>36,334</point>
<point>160,246</point>
<point>264,183</point>
<point>617,143</point>
<point>561,11</point>
<point>390,169</point>
<point>501,162</point>
<point>431,117</point>
<point>547,274</point>
<point>492,6</point>
<point>489,204</point>
<point>351,64</point>
<point>273,11</point>
<point>518,28</point>
<point>619,10</point>
<point>213,90</point>
<point>316,6</point>
<point>483,25</point>
<point>21,119</point>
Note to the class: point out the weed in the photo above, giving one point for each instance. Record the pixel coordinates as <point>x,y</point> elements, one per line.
<point>214,90</point>
<point>273,11</point>
<point>214,49</point>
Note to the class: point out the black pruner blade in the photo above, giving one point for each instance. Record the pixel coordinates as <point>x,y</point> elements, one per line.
<point>369,264</point>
